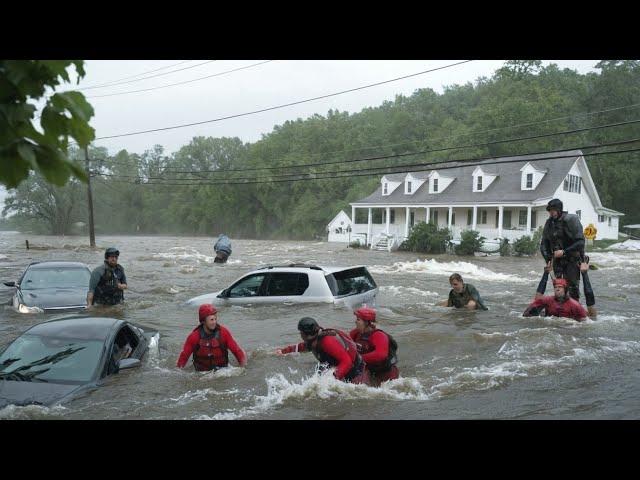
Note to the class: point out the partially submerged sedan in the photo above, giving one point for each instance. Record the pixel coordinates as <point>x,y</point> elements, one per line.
<point>297,283</point>
<point>51,287</point>
<point>54,361</point>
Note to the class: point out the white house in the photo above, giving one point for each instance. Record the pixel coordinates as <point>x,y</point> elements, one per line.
<point>339,228</point>
<point>500,198</point>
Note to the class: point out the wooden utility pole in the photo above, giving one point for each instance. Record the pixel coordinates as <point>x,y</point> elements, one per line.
<point>92,233</point>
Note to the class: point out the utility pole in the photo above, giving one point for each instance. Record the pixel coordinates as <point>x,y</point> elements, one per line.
<point>92,233</point>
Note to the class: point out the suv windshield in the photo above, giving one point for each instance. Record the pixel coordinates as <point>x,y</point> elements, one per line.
<point>35,278</point>
<point>50,359</point>
<point>350,282</point>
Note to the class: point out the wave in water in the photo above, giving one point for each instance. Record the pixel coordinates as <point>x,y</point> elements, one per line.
<point>469,270</point>
<point>410,291</point>
<point>30,412</point>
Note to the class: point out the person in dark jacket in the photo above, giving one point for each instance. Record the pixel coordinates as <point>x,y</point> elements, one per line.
<point>562,245</point>
<point>463,295</point>
<point>377,347</point>
<point>108,281</point>
<point>332,347</point>
<point>209,343</point>
<point>222,248</point>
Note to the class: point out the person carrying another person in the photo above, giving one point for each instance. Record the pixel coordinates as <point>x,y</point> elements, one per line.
<point>222,248</point>
<point>463,295</point>
<point>562,245</point>
<point>209,343</point>
<point>108,281</point>
<point>378,348</point>
<point>332,347</point>
<point>559,305</point>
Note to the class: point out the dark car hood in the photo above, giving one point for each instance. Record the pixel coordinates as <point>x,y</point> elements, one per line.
<point>55,297</point>
<point>33,393</point>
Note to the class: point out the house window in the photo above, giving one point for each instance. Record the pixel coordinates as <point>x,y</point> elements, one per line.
<point>408,187</point>
<point>579,213</point>
<point>534,222</point>
<point>601,218</point>
<point>469,217</point>
<point>384,189</point>
<point>609,219</point>
<point>435,184</point>
<point>377,216</point>
<point>522,218</point>
<point>573,183</point>
<point>412,218</point>
<point>392,216</point>
<point>529,180</point>
<point>497,217</point>
<point>479,186</point>
<point>434,217</point>
<point>453,218</point>
<point>483,217</point>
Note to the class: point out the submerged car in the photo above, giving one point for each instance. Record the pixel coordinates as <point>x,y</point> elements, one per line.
<point>55,361</point>
<point>297,283</point>
<point>51,287</point>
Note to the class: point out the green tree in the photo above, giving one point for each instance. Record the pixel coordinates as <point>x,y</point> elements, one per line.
<point>22,147</point>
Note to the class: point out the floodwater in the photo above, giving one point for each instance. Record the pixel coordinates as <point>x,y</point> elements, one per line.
<point>453,364</point>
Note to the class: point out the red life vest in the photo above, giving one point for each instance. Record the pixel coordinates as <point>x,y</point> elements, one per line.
<point>210,353</point>
<point>348,344</point>
<point>362,339</point>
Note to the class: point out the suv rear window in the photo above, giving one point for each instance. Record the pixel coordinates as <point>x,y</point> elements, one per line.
<point>281,284</point>
<point>350,282</point>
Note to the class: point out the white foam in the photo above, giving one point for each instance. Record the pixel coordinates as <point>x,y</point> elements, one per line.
<point>399,290</point>
<point>225,372</point>
<point>626,245</point>
<point>611,260</point>
<point>184,253</point>
<point>2,256</point>
<point>187,269</point>
<point>27,412</point>
<point>469,270</point>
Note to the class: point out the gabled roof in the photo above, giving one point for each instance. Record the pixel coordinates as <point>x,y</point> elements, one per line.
<point>505,188</point>
<point>400,177</point>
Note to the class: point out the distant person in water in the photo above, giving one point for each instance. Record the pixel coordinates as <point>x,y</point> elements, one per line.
<point>222,248</point>
<point>463,295</point>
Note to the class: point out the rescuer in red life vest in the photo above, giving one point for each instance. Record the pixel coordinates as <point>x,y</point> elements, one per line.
<point>210,343</point>
<point>330,346</point>
<point>560,305</point>
<point>377,347</point>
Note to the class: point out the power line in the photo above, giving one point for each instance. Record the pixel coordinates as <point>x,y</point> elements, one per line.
<point>138,74</point>
<point>181,83</point>
<point>400,155</point>
<point>418,167</point>
<point>280,106</point>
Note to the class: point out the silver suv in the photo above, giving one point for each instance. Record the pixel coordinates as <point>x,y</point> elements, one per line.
<point>297,283</point>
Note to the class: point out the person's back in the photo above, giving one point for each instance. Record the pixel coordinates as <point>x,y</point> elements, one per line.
<point>222,248</point>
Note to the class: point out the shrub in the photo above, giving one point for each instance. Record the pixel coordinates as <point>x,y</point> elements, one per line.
<point>427,238</point>
<point>470,242</point>
<point>505,248</point>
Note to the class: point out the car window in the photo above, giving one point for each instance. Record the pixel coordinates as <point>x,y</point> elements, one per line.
<point>284,284</point>
<point>35,278</point>
<point>350,282</point>
<point>247,287</point>
<point>51,359</point>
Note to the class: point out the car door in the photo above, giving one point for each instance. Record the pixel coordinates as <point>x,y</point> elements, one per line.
<point>247,290</point>
<point>285,287</point>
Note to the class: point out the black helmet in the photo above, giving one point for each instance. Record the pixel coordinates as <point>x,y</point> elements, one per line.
<point>308,325</point>
<point>111,251</point>
<point>555,204</point>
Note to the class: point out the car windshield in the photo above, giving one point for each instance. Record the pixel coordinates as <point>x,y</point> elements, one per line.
<point>35,278</point>
<point>36,358</point>
<point>350,282</point>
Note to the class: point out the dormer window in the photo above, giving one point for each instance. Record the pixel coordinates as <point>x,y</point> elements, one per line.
<point>408,187</point>
<point>479,187</point>
<point>435,184</point>
<point>384,189</point>
<point>529,180</point>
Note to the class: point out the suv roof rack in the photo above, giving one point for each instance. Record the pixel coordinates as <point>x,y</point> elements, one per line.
<point>292,265</point>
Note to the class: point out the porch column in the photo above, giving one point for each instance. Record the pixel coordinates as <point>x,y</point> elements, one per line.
<point>450,215</point>
<point>388,215</point>
<point>500,219</point>
<point>428,214</point>
<point>369,228</point>
<point>353,215</point>
<point>529,219</point>
<point>406,223</point>
<point>475,217</point>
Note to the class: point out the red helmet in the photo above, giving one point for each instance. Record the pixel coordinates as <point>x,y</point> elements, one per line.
<point>206,310</point>
<point>365,313</point>
<point>561,282</point>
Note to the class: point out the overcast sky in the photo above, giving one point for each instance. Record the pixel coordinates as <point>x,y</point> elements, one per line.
<point>254,88</point>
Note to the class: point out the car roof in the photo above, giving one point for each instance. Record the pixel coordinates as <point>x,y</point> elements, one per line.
<point>57,264</point>
<point>298,267</point>
<point>86,328</point>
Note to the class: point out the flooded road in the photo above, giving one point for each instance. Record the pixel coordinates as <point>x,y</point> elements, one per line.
<point>453,364</point>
